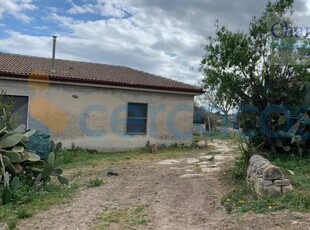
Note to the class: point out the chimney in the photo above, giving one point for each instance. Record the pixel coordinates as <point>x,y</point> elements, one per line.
<point>54,51</point>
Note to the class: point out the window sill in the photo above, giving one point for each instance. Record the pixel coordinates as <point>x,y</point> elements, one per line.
<point>136,134</point>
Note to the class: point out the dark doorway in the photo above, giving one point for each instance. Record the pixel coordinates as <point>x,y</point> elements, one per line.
<point>18,108</point>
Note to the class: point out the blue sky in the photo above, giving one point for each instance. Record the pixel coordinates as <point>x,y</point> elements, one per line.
<point>163,37</point>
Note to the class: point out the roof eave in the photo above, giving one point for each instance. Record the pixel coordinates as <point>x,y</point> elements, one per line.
<point>197,91</point>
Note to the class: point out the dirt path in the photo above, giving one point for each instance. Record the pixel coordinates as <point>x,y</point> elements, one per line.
<point>171,194</point>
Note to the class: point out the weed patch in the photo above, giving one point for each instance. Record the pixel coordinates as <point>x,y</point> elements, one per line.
<point>96,182</point>
<point>125,217</point>
<point>27,201</point>
<point>12,224</point>
<point>24,213</point>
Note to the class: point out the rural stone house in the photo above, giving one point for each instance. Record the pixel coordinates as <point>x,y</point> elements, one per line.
<point>97,106</point>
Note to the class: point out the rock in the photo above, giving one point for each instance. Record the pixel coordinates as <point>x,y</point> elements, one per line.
<point>191,160</point>
<point>191,175</point>
<point>264,183</point>
<point>273,190</point>
<point>264,186</point>
<point>110,173</point>
<point>261,168</point>
<point>153,148</point>
<point>4,226</point>
<point>259,189</point>
<point>201,144</point>
<point>284,182</point>
<point>272,173</point>
<point>267,178</point>
<point>168,162</point>
<point>257,159</point>
<point>249,175</point>
<point>287,188</point>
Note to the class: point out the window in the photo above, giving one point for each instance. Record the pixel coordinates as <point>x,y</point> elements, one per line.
<point>136,118</point>
<point>18,106</point>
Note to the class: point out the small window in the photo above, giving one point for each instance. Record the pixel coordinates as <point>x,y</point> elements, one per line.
<point>136,118</point>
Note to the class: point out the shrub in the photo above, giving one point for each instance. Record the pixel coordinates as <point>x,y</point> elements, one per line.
<point>24,213</point>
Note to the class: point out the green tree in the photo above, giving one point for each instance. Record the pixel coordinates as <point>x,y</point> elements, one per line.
<point>256,67</point>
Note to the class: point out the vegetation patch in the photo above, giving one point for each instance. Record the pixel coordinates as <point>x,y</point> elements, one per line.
<point>127,217</point>
<point>96,182</point>
<point>24,213</point>
<point>80,158</point>
<point>197,168</point>
<point>27,201</point>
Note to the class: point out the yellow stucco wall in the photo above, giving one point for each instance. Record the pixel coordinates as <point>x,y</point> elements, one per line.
<point>96,119</point>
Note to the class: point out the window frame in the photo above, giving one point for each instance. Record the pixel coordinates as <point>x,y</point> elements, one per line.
<point>137,118</point>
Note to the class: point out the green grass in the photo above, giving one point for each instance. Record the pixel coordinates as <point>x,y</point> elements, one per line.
<point>24,213</point>
<point>242,198</point>
<point>299,165</point>
<point>12,224</point>
<point>85,158</point>
<point>127,217</point>
<point>30,201</point>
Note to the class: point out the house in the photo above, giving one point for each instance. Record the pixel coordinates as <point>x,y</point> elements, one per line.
<point>97,106</point>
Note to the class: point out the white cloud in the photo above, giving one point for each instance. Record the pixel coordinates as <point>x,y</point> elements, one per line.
<point>25,44</point>
<point>113,8</point>
<point>88,8</point>
<point>17,8</point>
<point>140,41</point>
<point>106,8</point>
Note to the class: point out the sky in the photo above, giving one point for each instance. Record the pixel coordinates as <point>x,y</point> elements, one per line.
<point>163,37</point>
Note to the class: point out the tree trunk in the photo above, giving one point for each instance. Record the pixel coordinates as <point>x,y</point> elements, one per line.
<point>209,122</point>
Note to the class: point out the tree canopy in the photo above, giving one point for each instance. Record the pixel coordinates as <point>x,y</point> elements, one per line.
<point>256,67</point>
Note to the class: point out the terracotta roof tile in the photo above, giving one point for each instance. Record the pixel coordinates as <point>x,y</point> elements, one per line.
<point>20,66</point>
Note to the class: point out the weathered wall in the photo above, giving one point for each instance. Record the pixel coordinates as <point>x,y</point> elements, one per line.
<point>266,177</point>
<point>96,118</point>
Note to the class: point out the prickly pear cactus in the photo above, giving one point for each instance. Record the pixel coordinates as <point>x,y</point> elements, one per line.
<point>40,143</point>
<point>39,162</point>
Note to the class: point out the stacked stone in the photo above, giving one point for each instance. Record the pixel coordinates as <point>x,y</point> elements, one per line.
<point>266,177</point>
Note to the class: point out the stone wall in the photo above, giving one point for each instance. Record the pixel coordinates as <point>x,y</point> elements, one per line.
<point>267,178</point>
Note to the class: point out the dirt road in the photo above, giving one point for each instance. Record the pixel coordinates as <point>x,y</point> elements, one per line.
<point>175,194</point>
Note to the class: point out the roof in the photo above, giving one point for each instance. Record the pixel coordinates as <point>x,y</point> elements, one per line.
<point>20,66</point>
